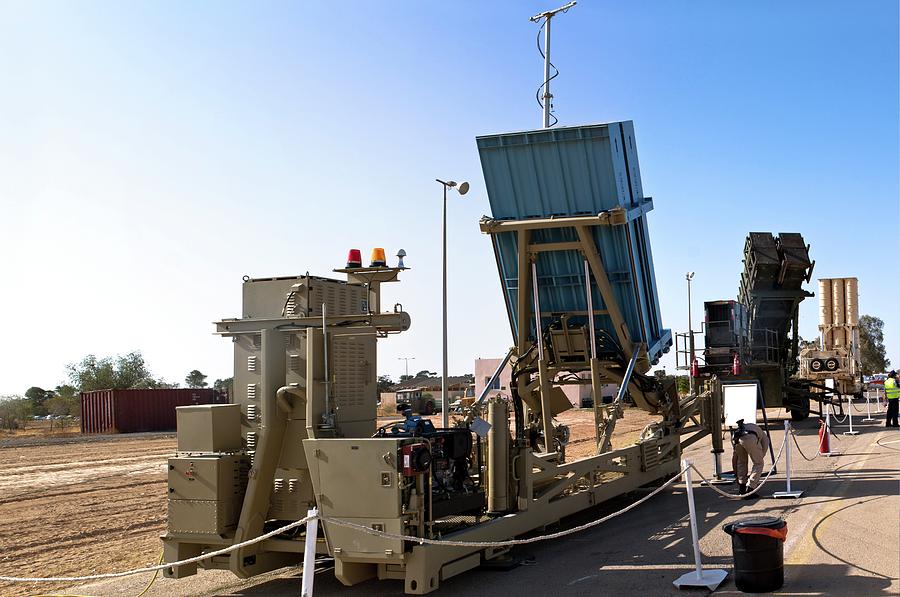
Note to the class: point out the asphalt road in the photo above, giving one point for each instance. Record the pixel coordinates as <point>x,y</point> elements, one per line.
<point>843,537</point>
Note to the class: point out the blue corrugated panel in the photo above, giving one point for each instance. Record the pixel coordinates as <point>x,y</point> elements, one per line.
<point>576,171</point>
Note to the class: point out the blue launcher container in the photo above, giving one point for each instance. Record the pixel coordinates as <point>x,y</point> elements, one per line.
<point>577,171</point>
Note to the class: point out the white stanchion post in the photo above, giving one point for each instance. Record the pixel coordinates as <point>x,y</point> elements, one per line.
<point>309,554</point>
<point>699,577</point>
<point>787,462</point>
<point>868,418</point>
<point>850,415</point>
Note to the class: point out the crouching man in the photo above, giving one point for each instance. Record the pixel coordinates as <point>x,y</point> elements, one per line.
<point>749,442</point>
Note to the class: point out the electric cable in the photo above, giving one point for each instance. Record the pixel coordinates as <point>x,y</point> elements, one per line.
<point>799,449</point>
<point>162,554</point>
<point>537,94</point>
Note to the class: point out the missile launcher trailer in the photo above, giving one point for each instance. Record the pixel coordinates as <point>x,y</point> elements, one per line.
<point>837,355</point>
<point>570,237</point>
<point>756,337</point>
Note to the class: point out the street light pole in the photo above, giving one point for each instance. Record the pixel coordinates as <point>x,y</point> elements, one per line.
<point>462,189</point>
<point>445,416</point>
<point>406,360</point>
<point>689,277</point>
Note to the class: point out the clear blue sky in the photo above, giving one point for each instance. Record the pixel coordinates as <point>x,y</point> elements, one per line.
<point>152,153</point>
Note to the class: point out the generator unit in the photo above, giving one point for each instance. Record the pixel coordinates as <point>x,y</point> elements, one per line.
<point>304,367</point>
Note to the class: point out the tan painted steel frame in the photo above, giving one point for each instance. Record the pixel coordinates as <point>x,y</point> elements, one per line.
<point>549,489</point>
<point>527,253</point>
<point>554,491</point>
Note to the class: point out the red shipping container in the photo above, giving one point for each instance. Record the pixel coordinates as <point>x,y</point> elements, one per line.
<point>131,411</point>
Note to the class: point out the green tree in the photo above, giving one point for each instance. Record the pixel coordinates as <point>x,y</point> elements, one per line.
<point>224,386</point>
<point>385,383</point>
<point>683,384</point>
<point>195,379</point>
<point>425,373</point>
<point>15,411</point>
<point>58,407</point>
<point>38,397</point>
<point>405,378</point>
<point>122,372</point>
<point>66,391</point>
<point>871,345</point>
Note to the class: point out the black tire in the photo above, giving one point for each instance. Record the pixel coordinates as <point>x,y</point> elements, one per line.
<point>831,364</point>
<point>799,414</point>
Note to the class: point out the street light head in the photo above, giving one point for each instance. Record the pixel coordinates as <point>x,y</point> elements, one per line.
<point>463,188</point>
<point>689,276</point>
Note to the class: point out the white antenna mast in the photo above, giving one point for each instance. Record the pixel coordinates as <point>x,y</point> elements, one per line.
<point>548,97</point>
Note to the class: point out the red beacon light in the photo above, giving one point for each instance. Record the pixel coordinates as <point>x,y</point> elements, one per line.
<point>378,258</point>
<point>354,258</point>
<point>695,368</point>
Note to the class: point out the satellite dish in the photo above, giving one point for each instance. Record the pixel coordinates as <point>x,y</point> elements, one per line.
<point>463,188</point>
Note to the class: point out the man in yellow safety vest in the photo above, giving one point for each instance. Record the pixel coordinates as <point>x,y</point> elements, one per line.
<point>892,395</point>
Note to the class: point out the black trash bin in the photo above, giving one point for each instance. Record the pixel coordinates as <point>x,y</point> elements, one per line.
<point>758,546</point>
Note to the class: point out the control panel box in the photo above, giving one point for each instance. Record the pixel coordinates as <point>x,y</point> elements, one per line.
<point>206,492</point>
<point>209,428</point>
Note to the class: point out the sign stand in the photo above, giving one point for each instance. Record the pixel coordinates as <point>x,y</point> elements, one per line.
<point>710,579</point>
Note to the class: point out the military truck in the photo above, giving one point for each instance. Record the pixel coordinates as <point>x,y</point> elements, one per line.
<point>420,400</point>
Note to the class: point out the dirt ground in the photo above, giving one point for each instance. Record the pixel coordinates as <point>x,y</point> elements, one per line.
<point>68,507</point>
<point>76,505</point>
<point>63,428</point>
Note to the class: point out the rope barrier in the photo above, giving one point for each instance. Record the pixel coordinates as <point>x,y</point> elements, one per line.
<point>344,523</point>
<point>410,538</point>
<point>735,496</point>
<point>199,558</point>
<point>839,420</point>
<point>510,542</point>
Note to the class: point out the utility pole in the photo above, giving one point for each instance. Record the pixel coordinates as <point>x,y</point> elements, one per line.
<point>547,97</point>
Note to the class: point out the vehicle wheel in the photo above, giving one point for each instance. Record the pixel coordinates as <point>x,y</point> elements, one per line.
<point>799,414</point>
<point>831,364</point>
<point>429,408</point>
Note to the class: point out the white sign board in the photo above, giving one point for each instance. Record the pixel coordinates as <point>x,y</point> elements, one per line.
<point>739,402</point>
<point>480,427</point>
